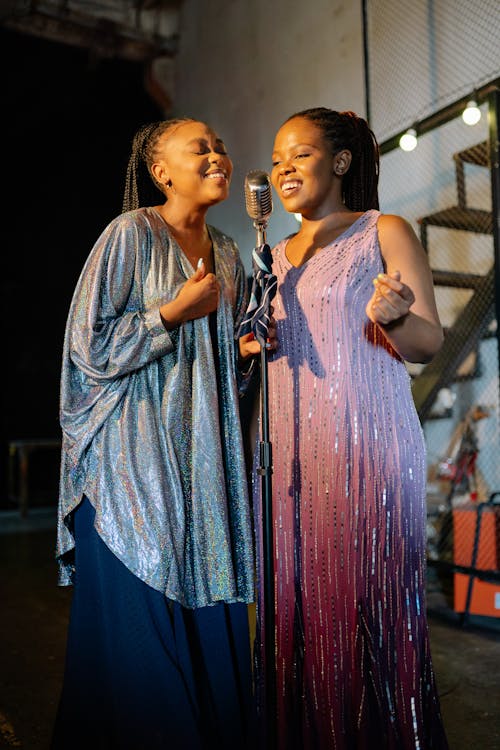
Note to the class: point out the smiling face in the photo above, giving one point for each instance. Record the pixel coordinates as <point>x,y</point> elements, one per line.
<point>305,173</point>
<point>192,164</point>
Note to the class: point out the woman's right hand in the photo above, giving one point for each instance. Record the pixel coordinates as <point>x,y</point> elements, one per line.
<point>198,297</point>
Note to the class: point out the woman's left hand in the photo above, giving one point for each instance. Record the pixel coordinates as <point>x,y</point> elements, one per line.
<point>391,299</point>
<point>249,346</point>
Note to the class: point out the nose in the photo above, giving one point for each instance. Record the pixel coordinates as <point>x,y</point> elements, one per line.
<point>285,167</point>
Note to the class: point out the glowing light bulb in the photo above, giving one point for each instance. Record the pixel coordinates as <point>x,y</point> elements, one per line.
<point>298,218</point>
<point>408,140</point>
<point>471,114</point>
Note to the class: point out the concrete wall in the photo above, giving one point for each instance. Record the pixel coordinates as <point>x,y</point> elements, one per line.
<point>244,67</point>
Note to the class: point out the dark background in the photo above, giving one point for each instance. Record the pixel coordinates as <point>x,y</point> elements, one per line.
<point>67,125</point>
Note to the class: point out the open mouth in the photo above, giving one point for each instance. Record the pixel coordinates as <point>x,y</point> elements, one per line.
<point>289,187</point>
<point>219,175</point>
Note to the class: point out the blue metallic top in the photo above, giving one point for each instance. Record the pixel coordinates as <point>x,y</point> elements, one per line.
<point>151,435</point>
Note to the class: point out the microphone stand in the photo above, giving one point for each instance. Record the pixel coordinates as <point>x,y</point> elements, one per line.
<point>265,471</point>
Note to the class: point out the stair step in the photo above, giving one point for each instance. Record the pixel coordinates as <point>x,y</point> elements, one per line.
<point>468,219</point>
<point>477,154</point>
<point>456,279</point>
<point>471,324</point>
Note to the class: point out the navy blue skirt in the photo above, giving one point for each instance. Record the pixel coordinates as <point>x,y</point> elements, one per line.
<point>141,671</point>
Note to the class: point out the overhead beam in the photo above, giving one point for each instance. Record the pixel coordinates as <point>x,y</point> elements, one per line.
<point>103,37</point>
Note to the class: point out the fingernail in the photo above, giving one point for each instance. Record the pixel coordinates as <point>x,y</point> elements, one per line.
<point>200,263</point>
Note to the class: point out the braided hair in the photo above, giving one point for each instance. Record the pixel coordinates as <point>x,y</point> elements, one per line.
<point>346,130</point>
<point>141,187</point>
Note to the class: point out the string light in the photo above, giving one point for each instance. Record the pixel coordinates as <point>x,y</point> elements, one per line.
<point>471,114</point>
<point>408,140</point>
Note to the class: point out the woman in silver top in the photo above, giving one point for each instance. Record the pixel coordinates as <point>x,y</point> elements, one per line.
<point>154,525</point>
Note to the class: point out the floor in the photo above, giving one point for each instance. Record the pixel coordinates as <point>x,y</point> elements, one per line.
<point>34,618</point>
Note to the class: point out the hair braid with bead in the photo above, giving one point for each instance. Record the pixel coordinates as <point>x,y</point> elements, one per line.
<point>141,188</point>
<point>346,130</point>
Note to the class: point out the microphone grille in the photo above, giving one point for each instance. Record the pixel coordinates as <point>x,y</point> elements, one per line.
<point>258,195</point>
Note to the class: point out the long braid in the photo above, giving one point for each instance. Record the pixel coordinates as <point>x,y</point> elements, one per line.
<point>141,188</point>
<point>346,130</point>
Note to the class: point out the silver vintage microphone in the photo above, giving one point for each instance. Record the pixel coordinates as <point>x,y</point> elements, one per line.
<point>259,201</point>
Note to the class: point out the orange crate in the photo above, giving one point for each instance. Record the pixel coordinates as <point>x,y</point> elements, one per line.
<point>485,599</point>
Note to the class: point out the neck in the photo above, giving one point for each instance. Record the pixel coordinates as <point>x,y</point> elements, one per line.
<point>185,222</point>
<point>318,224</point>
<point>190,231</point>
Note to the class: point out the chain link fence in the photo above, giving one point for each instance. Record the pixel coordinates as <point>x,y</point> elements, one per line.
<point>424,61</point>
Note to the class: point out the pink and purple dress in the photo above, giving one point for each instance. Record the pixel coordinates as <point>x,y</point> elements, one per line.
<point>353,662</point>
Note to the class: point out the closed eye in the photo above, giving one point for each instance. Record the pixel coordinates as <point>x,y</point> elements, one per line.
<point>303,155</point>
<point>202,147</point>
<point>203,151</point>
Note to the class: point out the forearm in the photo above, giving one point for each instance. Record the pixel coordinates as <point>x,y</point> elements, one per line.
<point>414,338</point>
<point>172,314</point>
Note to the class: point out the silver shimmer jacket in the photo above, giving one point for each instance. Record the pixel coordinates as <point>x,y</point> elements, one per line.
<point>150,434</point>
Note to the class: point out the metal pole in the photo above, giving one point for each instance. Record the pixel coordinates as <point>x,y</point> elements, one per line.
<point>265,471</point>
<point>366,60</point>
<point>494,159</point>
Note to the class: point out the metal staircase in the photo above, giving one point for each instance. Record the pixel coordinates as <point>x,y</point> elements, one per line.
<point>473,321</point>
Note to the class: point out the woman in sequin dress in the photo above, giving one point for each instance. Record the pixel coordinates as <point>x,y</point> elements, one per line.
<point>355,299</point>
<point>154,522</point>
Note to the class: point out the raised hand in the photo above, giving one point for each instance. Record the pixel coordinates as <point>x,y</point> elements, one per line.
<point>391,299</point>
<point>198,297</point>
<point>249,346</point>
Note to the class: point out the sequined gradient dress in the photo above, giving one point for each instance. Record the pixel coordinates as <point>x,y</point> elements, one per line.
<point>353,662</point>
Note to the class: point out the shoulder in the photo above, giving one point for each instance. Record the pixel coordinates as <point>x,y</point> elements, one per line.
<point>393,223</point>
<point>392,226</point>
<point>140,218</point>
<point>126,236</point>
<point>397,239</point>
<point>135,229</point>
<point>126,223</point>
